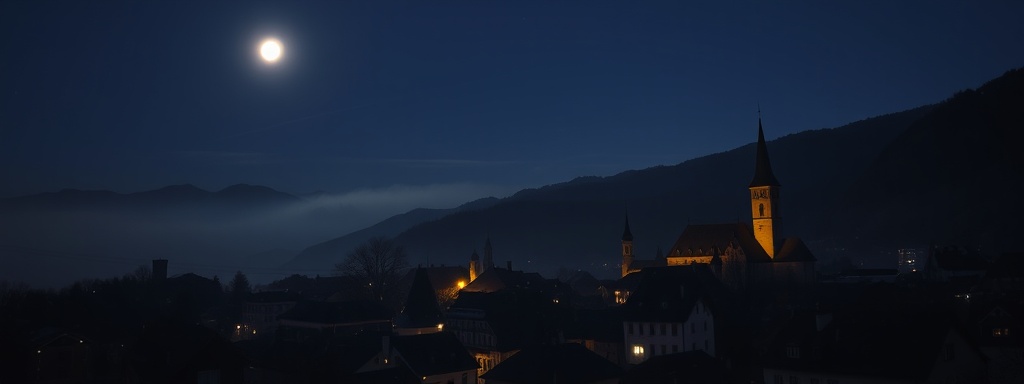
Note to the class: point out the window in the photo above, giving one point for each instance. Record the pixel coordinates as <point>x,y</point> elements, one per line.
<point>793,352</point>
<point>675,329</point>
<point>794,380</point>
<point>650,327</point>
<point>638,350</point>
<point>653,351</point>
<point>778,379</point>
<point>1000,332</point>
<point>641,328</point>
<point>663,349</point>
<point>629,328</point>
<point>663,329</point>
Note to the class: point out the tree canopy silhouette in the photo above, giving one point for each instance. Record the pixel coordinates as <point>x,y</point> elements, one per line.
<point>377,264</point>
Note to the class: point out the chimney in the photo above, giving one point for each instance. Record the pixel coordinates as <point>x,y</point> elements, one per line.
<point>160,269</point>
<point>509,264</point>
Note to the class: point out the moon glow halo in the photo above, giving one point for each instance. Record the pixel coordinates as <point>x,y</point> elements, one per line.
<point>271,50</point>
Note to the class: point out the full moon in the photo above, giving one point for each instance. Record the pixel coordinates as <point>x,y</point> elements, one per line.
<point>270,50</point>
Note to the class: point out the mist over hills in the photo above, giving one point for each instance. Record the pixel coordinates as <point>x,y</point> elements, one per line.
<point>946,173</point>
<point>52,239</point>
<point>943,173</point>
<point>577,224</point>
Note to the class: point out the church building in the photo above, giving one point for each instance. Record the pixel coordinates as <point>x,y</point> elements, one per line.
<point>740,254</point>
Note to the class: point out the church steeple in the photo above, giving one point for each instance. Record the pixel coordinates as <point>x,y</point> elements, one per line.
<point>626,234</point>
<point>627,248</point>
<point>764,198</point>
<point>763,175</point>
<point>488,255</point>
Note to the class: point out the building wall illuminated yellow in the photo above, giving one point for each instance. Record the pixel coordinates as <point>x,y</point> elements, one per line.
<point>764,208</point>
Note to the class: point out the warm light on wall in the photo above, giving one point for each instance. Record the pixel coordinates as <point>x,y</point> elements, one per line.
<point>440,327</point>
<point>461,284</point>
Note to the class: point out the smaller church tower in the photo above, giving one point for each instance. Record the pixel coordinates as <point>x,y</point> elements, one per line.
<point>627,249</point>
<point>488,256</point>
<point>764,199</point>
<point>474,266</point>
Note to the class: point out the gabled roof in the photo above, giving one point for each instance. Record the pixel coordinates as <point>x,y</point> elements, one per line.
<point>517,317</point>
<point>563,364</point>
<point>794,249</point>
<point>763,175</point>
<point>670,293</point>
<point>434,353</point>
<point>875,340</point>
<point>496,279</point>
<point>704,239</point>
<point>421,309</point>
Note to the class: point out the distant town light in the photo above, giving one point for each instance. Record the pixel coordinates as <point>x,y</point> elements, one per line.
<point>440,326</point>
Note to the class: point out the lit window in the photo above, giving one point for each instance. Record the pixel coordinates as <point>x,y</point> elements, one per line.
<point>638,350</point>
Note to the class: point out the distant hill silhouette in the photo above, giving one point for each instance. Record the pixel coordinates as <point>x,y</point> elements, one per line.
<point>328,253</point>
<point>954,176</point>
<point>942,173</point>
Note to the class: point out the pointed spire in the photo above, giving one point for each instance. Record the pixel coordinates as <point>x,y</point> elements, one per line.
<point>488,255</point>
<point>421,309</point>
<point>763,175</point>
<point>626,234</point>
<point>475,256</point>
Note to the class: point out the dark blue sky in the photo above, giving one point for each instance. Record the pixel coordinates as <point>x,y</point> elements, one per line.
<point>486,95</point>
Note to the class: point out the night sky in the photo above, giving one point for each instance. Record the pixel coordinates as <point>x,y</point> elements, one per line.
<point>467,97</point>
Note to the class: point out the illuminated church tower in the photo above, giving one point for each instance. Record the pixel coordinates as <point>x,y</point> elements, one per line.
<point>627,249</point>
<point>474,266</point>
<point>764,199</point>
